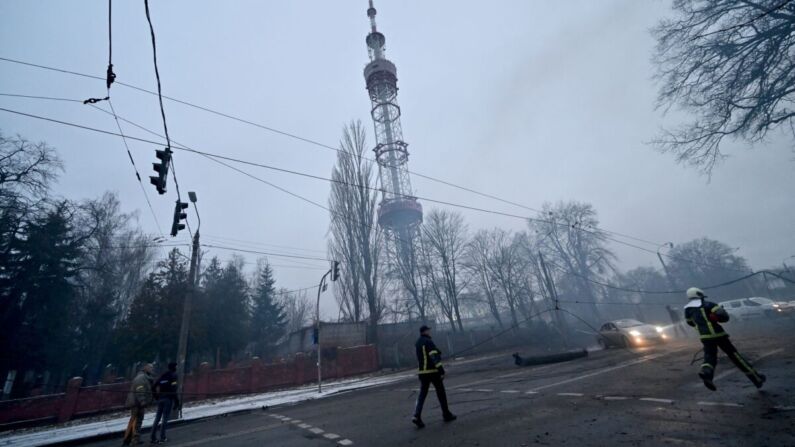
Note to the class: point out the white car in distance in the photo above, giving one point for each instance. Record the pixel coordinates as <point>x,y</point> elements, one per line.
<point>754,307</point>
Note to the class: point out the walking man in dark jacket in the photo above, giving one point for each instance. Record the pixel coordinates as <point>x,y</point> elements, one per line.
<point>706,317</point>
<point>431,371</point>
<point>166,392</point>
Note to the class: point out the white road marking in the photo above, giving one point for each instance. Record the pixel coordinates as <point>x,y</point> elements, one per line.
<point>615,398</point>
<point>466,390</point>
<point>316,430</point>
<point>331,436</point>
<point>286,419</point>
<point>605,370</point>
<point>784,408</point>
<point>509,391</point>
<point>720,404</point>
<point>304,426</point>
<point>571,394</point>
<point>654,399</point>
<point>295,421</point>
<point>485,390</point>
<point>345,442</point>
<point>531,392</point>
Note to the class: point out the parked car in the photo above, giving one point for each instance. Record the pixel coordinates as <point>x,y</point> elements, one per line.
<point>627,333</point>
<point>749,308</point>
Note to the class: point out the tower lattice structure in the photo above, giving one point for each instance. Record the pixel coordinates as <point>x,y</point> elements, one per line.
<point>399,212</point>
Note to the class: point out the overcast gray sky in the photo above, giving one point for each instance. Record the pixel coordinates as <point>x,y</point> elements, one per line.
<point>528,100</point>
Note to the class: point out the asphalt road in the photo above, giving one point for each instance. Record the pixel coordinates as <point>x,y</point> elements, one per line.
<point>644,397</point>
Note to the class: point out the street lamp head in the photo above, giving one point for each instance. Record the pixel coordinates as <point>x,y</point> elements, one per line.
<point>192,196</point>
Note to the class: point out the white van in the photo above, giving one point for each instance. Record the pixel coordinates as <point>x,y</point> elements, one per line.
<point>753,307</point>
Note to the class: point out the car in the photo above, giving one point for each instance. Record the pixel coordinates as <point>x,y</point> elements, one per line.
<point>628,333</point>
<point>753,307</point>
<point>785,307</point>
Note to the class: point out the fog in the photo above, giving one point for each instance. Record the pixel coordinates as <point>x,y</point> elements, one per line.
<point>530,101</point>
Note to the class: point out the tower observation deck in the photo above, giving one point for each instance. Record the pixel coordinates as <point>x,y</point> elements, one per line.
<point>398,212</point>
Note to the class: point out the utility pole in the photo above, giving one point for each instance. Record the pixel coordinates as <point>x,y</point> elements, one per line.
<point>553,292</point>
<point>665,267</point>
<point>334,271</point>
<point>186,308</point>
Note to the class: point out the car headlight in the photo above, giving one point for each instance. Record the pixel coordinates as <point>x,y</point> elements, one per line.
<point>776,306</point>
<point>634,333</point>
<point>658,329</point>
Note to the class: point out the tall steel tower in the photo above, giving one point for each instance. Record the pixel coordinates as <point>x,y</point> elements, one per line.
<point>399,213</point>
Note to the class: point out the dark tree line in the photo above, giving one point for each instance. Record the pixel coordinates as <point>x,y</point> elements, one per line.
<point>82,291</point>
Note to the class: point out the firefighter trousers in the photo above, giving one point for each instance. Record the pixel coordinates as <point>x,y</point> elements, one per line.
<point>425,383</point>
<point>711,357</point>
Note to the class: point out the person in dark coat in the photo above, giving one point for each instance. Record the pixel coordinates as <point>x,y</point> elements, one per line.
<point>166,392</point>
<point>431,371</point>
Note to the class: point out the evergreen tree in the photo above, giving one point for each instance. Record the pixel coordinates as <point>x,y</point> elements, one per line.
<point>151,330</point>
<point>268,319</point>
<point>225,301</point>
<point>37,329</point>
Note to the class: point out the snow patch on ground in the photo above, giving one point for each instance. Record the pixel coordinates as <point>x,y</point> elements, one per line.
<point>200,410</point>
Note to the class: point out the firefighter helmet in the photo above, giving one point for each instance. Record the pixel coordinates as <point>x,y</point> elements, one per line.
<point>695,293</point>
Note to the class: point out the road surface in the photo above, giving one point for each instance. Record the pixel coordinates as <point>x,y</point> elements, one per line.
<point>640,397</point>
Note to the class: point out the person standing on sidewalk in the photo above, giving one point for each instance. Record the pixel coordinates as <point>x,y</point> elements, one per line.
<point>431,371</point>
<point>167,399</point>
<point>706,317</point>
<point>139,397</point>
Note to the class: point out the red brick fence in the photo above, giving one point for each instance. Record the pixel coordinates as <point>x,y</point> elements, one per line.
<point>204,383</point>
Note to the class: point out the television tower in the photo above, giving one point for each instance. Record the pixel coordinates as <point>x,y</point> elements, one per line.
<point>399,213</point>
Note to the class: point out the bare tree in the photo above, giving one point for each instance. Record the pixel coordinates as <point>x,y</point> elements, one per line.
<point>297,308</point>
<point>509,270</point>
<point>478,261</point>
<point>576,248</point>
<point>26,169</point>
<point>730,62</point>
<point>357,240</point>
<point>444,237</point>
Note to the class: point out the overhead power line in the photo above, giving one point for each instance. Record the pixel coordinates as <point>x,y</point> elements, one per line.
<point>312,142</point>
<point>217,159</point>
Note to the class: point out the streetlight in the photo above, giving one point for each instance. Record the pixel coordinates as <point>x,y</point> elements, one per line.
<point>670,245</point>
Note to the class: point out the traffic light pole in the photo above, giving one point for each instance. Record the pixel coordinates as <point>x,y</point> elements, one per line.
<point>186,311</point>
<point>317,328</point>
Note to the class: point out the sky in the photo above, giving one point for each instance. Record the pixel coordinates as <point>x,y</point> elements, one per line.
<point>530,101</point>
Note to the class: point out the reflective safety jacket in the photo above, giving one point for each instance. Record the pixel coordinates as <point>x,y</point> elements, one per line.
<point>706,316</point>
<point>428,356</point>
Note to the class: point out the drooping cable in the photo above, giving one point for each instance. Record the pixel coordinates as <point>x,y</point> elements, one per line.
<point>309,141</point>
<point>217,159</point>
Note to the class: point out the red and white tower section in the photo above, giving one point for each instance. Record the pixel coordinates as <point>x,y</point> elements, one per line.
<point>399,213</point>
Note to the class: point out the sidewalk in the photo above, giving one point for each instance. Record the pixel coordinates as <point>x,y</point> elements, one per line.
<point>45,436</point>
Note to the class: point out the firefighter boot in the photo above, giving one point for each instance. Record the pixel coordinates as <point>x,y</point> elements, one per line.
<point>706,376</point>
<point>757,379</point>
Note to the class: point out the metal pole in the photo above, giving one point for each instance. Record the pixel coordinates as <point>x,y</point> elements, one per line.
<point>186,310</point>
<point>317,327</point>
<point>665,267</point>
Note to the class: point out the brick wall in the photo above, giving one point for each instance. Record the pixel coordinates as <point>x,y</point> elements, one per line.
<point>79,401</point>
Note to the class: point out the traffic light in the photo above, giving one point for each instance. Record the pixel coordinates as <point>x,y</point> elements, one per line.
<point>162,170</point>
<point>179,215</point>
<point>335,270</point>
